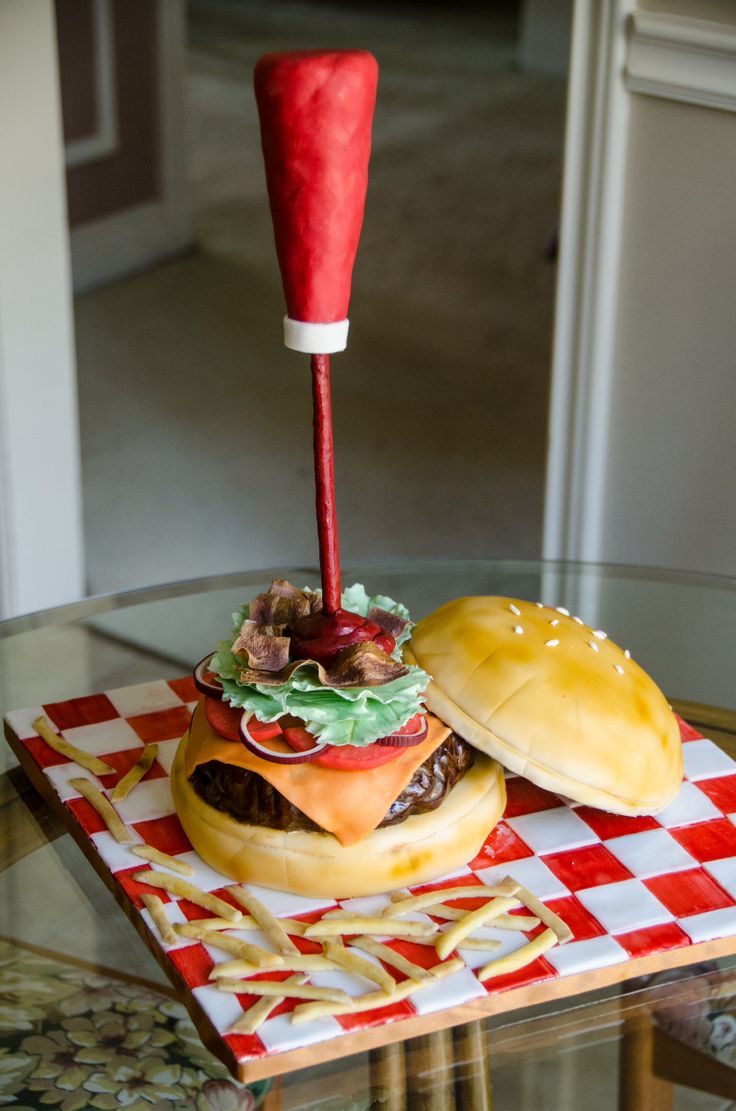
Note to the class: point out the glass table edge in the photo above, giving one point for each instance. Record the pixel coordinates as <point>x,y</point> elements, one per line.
<point>97,604</point>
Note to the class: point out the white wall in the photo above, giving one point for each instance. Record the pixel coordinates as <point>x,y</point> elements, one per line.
<point>40,512</point>
<point>642,453</point>
<point>671,481</point>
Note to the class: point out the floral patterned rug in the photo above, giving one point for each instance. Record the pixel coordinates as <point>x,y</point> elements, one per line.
<point>71,1039</point>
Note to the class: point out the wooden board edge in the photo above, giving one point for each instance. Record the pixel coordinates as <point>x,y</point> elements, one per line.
<point>529,995</point>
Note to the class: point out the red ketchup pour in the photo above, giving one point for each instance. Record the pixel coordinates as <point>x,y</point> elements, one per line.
<point>321,636</point>
<point>324,479</point>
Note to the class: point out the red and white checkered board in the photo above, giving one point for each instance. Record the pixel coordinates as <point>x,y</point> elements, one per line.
<point>629,888</point>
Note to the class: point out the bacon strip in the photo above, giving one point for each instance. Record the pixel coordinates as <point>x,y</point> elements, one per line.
<point>283,604</point>
<point>275,609</point>
<point>390,622</point>
<point>360,665</point>
<point>262,642</point>
<point>263,647</point>
<point>285,589</point>
<point>363,665</point>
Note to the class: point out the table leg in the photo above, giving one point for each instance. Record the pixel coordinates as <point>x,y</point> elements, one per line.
<point>388,1077</point>
<point>639,1088</point>
<point>430,1073</point>
<point>472,1069</point>
<point>274,1100</point>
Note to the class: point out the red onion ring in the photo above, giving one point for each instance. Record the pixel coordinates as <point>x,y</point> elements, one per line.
<point>405,740</point>
<point>206,686</point>
<point>276,757</point>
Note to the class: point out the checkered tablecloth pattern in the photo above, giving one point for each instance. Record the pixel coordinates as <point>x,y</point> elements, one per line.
<point>628,887</point>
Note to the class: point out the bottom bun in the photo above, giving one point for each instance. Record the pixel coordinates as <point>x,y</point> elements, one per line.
<point>420,849</point>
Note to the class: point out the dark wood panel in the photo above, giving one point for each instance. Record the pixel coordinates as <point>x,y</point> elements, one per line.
<point>76,43</point>
<point>130,175</point>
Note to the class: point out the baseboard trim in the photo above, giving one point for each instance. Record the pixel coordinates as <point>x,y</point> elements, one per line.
<point>110,248</point>
<point>676,58</point>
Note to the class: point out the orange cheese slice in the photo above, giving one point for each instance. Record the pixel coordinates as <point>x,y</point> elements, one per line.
<point>349,804</point>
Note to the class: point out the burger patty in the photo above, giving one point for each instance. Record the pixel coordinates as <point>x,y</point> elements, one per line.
<point>247,797</point>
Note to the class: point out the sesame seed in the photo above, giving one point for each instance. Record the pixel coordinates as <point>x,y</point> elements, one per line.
<point>518,629</point>
<point>627,654</point>
<point>592,644</point>
<point>600,634</point>
<point>579,620</point>
<point>551,643</point>
<point>515,609</point>
<point>555,621</point>
<point>563,611</point>
<point>539,605</point>
<point>618,668</point>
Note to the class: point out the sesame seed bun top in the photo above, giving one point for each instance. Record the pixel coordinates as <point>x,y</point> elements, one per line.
<point>553,700</point>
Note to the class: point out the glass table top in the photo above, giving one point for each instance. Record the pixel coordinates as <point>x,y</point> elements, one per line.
<point>88,1017</point>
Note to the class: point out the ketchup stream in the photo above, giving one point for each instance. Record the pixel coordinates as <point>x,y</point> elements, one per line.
<point>324,479</point>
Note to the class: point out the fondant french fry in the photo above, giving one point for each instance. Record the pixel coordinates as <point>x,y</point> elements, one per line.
<point>487,943</point>
<point>536,906</point>
<point>79,756</point>
<point>349,960</point>
<point>276,987</point>
<point>135,774</point>
<point>268,923</point>
<point>243,950</point>
<point>406,904</point>
<point>259,1012</point>
<point>301,962</point>
<point>520,958</point>
<point>147,852</point>
<point>375,999</point>
<point>215,925</point>
<point>184,890</point>
<point>390,956</point>
<point>522,922</point>
<point>104,808</point>
<point>355,924</point>
<point>449,940</point>
<point>307,1012</point>
<point>155,908</point>
<point>247,922</point>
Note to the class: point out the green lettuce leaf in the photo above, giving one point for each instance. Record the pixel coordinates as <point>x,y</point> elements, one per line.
<point>352,716</point>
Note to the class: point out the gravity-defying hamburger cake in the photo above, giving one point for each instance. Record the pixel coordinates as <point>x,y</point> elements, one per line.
<point>335,751</point>
<point>311,763</point>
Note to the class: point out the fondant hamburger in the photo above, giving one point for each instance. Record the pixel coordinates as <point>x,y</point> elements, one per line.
<point>311,764</point>
<point>329,776</point>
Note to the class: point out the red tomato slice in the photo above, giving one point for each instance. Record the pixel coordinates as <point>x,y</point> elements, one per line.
<point>225,720</point>
<point>342,757</point>
<point>413,725</point>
